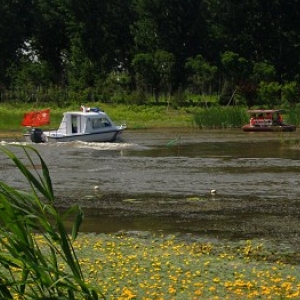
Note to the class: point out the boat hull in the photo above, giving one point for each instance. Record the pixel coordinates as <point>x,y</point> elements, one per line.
<point>282,128</point>
<point>54,137</point>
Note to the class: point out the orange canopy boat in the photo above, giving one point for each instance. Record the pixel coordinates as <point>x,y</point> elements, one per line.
<point>267,120</point>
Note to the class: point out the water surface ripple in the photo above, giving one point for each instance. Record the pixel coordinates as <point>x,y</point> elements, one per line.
<point>254,175</point>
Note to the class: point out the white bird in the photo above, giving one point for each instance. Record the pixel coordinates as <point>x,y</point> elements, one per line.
<point>213,192</point>
<point>96,187</point>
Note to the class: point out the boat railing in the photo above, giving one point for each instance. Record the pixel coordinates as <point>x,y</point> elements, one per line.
<point>261,122</point>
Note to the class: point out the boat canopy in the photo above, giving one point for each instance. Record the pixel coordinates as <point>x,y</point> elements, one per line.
<point>265,111</point>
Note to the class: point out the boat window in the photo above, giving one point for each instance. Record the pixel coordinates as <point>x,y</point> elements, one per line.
<point>260,116</point>
<point>74,124</point>
<point>100,123</point>
<point>269,116</point>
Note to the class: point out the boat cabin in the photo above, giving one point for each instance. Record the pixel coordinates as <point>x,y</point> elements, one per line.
<point>83,122</point>
<point>259,118</point>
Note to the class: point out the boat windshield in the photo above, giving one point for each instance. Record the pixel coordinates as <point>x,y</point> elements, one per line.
<point>100,123</point>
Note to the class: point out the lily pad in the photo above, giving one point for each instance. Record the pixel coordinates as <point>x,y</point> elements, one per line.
<point>132,200</point>
<point>195,199</point>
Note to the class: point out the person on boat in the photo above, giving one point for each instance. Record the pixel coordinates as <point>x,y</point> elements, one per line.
<point>252,121</point>
<point>269,116</point>
<point>278,121</point>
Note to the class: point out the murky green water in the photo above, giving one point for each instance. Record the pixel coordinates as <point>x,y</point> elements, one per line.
<point>160,180</point>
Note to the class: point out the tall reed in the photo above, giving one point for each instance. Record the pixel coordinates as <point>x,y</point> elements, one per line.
<point>27,269</point>
<point>221,117</point>
<point>293,116</point>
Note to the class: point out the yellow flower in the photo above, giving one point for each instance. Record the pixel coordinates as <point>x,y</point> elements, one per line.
<point>127,293</point>
<point>212,289</point>
<point>172,290</point>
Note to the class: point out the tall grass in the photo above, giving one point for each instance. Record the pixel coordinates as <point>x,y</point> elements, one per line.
<point>27,270</point>
<point>293,116</point>
<point>221,117</point>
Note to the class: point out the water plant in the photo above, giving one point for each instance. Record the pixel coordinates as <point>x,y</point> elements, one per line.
<point>34,242</point>
<point>221,117</point>
<point>38,259</point>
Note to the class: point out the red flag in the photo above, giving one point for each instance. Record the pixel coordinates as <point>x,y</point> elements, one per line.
<point>36,118</point>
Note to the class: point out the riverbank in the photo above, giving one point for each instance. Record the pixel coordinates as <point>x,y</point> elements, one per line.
<point>135,116</point>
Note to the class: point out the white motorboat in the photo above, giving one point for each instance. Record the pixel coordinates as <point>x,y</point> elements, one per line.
<point>86,125</point>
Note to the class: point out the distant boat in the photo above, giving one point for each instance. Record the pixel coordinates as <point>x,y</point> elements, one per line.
<point>267,120</point>
<point>87,125</point>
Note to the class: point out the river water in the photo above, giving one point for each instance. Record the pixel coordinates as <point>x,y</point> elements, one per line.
<point>162,180</point>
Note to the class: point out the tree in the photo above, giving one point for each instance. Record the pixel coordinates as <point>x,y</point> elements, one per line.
<point>50,38</point>
<point>155,70</point>
<point>236,70</point>
<point>202,73</point>
<point>259,31</point>
<point>263,71</point>
<point>15,27</point>
<point>177,27</point>
<point>100,37</point>
<point>291,93</point>
<point>269,94</point>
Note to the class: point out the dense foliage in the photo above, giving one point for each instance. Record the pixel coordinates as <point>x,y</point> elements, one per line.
<point>243,51</point>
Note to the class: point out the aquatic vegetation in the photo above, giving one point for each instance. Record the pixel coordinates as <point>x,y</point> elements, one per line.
<point>221,117</point>
<point>40,259</point>
<point>137,266</point>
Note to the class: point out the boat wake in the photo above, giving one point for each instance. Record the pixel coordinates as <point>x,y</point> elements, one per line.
<point>82,145</point>
<point>3,143</point>
<point>106,146</point>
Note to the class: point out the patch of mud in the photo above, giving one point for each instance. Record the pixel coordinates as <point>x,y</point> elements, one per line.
<point>210,216</point>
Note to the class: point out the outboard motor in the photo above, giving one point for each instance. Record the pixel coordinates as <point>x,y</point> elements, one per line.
<point>36,135</point>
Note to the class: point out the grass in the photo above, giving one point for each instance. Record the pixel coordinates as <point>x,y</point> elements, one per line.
<point>136,117</point>
<point>221,117</point>
<point>40,260</point>
<point>140,116</point>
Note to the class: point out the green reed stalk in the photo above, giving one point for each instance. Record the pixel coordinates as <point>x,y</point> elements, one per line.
<point>293,116</point>
<point>221,117</point>
<point>27,269</point>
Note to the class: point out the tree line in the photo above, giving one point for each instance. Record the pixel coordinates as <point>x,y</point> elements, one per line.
<point>244,52</point>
